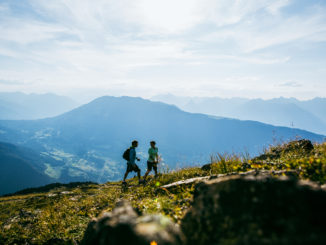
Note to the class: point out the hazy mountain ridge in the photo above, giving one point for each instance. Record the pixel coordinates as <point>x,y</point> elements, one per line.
<point>308,115</point>
<point>20,106</point>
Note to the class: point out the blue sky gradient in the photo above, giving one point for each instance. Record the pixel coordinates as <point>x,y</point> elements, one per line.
<point>225,48</point>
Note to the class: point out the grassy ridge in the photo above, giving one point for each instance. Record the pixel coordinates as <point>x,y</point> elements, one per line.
<point>64,212</point>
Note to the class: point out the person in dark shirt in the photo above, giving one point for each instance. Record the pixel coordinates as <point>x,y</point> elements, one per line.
<point>131,165</point>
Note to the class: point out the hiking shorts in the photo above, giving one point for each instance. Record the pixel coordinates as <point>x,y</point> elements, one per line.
<point>151,165</point>
<point>132,167</point>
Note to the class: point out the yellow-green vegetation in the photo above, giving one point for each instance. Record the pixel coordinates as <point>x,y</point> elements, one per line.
<point>310,166</point>
<point>64,213</point>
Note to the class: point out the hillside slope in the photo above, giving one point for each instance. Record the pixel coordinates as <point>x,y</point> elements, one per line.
<point>19,169</point>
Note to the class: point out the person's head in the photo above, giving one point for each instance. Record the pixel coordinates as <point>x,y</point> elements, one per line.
<point>134,143</point>
<point>153,143</point>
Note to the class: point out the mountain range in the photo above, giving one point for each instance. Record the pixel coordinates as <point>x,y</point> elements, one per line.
<point>86,144</point>
<point>289,112</point>
<point>309,115</point>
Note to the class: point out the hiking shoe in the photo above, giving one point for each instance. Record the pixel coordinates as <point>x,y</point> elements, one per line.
<point>141,181</point>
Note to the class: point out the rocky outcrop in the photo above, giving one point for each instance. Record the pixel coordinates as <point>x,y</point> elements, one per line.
<point>305,146</point>
<point>302,147</point>
<point>124,226</point>
<point>256,209</point>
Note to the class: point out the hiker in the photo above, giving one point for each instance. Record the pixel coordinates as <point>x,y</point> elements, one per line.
<point>131,158</point>
<point>152,159</point>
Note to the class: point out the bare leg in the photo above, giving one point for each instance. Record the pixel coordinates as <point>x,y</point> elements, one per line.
<point>155,170</point>
<point>138,173</point>
<point>147,172</point>
<point>149,168</point>
<point>126,174</point>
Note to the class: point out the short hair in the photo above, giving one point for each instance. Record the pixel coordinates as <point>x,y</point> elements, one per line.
<point>153,142</point>
<point>135,142</point>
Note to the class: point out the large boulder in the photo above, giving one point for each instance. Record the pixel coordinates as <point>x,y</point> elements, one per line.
<point>124,226</point>
<point>256,209</point>
<point>296,147</point>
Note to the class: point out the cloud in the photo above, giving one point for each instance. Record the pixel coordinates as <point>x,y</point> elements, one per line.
<point>282,32</point>
<point>264,31</point>
<point>11,82</point>
<point>153,17</point>
<point>31,32</point>
<point>292,84</point>
<point>3,8</point>
<point>276,6</point>
<point>224,12</point>
<point>254,59</point>
<point>164,16</point>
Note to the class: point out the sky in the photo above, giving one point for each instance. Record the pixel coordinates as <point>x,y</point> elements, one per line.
<point>224,48</point>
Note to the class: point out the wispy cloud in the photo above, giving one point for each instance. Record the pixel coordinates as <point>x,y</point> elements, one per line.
<point>264,31</point>
<point>11,82</point>
<point>292,84</point>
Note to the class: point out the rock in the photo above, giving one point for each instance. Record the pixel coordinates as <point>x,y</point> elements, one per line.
<point>66,192</point>
<point>57,241</point>
<point>256,209</point>
<point>185,182</point>
<point>207,167</point>
<point>302,147</point>
<point>124,226</point>
<point>25,214</point>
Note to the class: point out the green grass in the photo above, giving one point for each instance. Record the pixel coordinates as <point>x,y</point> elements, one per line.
<point>65,212</point>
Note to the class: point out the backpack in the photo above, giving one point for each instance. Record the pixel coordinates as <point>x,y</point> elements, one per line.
<point>126,154</point>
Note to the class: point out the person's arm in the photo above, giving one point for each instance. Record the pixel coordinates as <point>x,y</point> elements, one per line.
<point>136,156</point>
<point>156,155</point>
